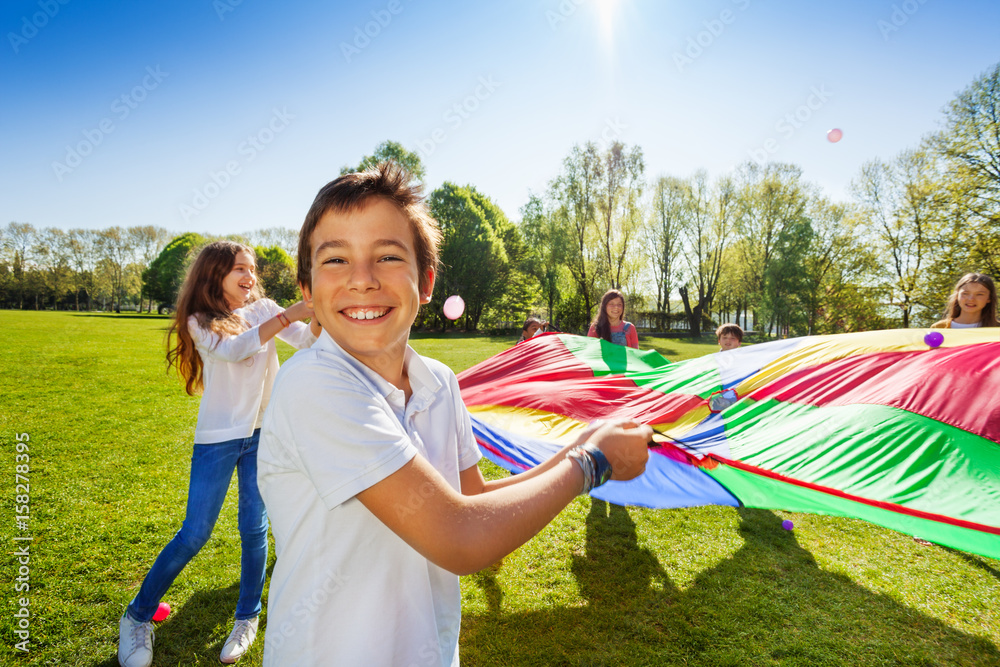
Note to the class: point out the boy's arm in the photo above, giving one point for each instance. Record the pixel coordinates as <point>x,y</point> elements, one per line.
<point>464,534</point>
<point>474,483</point>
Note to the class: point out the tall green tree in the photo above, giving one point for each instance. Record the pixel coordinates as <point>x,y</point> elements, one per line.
<point>82,255</point>
<point>282,237</point>
<point>390,150</point>
<point>148,241</point>
<point>276,272</point>
<point>970,144</point>
<point>52,257</point>
<point>903,201</point>
<point>619,191</point>
<point>574,196</point>
<point>712,212</point>
<point>831,244</point>
<point>163,277</point>
<point>116,248</point>
<point>846,271</point>
<point>772,203</point>
<point>547,241</point>
<point>19,239</point>
<point>473,257</point>
<point>661,239</point>
<point>516,289</point>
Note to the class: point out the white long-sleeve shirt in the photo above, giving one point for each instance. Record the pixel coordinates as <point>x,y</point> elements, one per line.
<point>239,373</point>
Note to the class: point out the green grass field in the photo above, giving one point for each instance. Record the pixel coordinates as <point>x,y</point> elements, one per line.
<point>110,438</point>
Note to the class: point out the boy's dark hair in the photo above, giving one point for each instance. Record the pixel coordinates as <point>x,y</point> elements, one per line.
<point>351,192</point>
<point>731,330</point>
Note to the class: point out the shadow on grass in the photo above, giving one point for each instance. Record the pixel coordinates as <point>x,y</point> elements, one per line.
<point>976,561</point>
<point>769,604</point>
<point>194,632</point>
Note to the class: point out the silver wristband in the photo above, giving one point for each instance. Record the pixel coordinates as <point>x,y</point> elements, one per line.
<point>585,460</point>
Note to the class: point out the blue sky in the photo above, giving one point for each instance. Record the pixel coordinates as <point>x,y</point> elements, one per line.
<point>222,116</point>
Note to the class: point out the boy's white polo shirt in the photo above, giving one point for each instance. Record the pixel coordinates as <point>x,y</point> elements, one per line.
<point>346,589</point>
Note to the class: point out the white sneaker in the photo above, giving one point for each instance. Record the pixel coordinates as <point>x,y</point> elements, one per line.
<point>135,643</point>
<point>240,639</point>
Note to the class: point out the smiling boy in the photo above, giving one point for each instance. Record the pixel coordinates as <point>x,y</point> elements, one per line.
<point>729,336</point>
<point>367,461</point>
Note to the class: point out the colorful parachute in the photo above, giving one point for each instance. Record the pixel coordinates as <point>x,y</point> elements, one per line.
<point>877,425</point>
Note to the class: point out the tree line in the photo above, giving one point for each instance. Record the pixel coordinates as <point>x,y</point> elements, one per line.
<point>115,269</point>
<point>760,245</point>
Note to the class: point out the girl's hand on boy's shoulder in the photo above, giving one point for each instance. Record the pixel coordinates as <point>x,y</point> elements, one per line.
<point>298,311</point>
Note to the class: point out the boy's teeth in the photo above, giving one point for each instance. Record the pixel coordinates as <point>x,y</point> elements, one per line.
<point>366,314</point>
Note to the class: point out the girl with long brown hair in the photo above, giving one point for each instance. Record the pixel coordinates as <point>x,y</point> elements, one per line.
<point>222,345</point>
<point>973,303</point>
<point>610,322</point>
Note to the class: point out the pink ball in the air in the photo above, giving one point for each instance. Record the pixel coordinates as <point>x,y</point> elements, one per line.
<point>454,306</point>
<point>834,135</point>
<point>161,612</point>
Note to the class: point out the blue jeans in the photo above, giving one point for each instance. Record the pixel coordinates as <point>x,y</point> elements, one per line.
<point>211,471</point>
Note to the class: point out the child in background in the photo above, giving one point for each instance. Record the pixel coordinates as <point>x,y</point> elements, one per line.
<point>973,303</point>
<point>532,326</point>
<point>729,336</point>
<point>610,323</point>
<point>367,457</point>
<point>223,349</point>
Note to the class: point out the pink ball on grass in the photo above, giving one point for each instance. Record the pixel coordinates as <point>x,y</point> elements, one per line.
<point>454,306</point>
<point>162,612</point>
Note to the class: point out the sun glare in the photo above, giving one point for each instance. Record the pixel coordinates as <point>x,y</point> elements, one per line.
<point>605,19</point>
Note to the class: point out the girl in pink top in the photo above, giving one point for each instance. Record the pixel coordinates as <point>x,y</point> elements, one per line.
<point>610,322</point>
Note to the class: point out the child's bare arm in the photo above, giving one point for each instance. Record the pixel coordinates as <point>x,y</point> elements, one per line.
<point>272,327</point>
<point>464,534</point>
<point>473,481</point>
